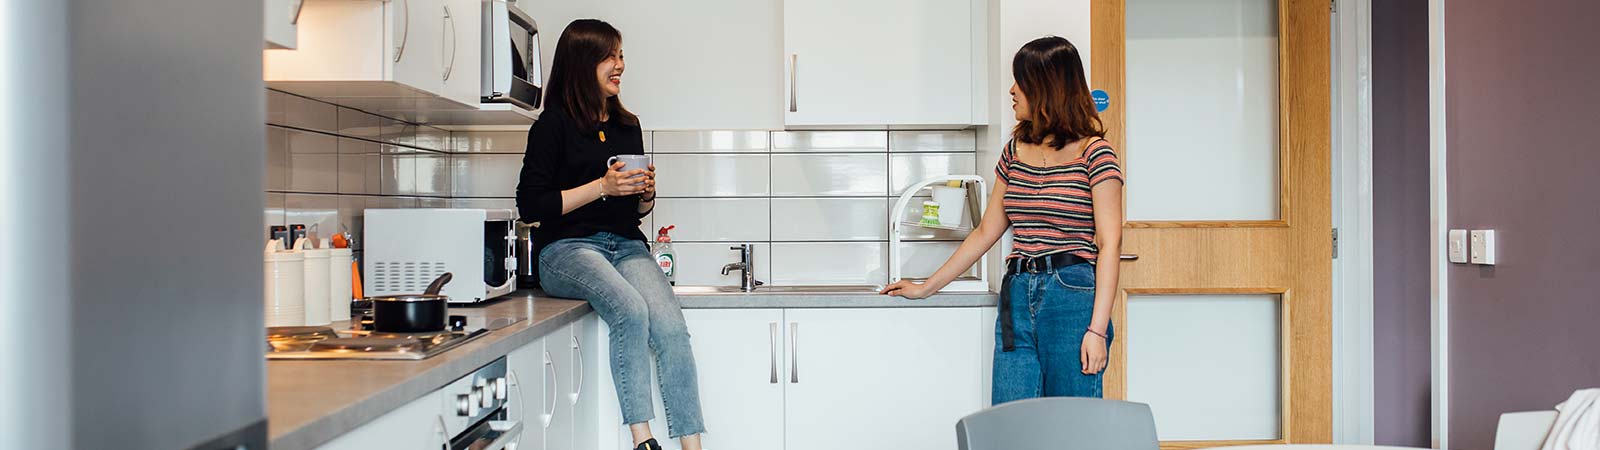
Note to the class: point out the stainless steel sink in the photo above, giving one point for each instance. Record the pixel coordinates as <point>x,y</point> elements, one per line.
<point>777,290</point>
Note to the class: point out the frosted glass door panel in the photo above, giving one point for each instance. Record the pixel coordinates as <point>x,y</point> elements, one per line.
<point>1202,110</point>
<point>1208,365</point>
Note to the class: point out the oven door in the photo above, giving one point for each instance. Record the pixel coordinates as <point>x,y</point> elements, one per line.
<point>511,72</point>
<point>489,435</point>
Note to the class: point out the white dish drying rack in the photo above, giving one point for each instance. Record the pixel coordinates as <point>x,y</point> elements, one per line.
<point>977,200</point>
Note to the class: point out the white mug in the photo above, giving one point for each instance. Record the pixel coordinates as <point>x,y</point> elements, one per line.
<point>630,162</point>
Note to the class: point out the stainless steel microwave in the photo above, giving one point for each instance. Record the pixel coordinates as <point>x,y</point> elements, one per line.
<point>511,62</point>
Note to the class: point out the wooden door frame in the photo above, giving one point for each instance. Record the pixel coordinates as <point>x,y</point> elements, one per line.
<point>1304,116</point>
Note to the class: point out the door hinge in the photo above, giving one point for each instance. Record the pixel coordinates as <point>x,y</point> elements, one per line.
<point>1333,6</point>
<point>1335,243</point>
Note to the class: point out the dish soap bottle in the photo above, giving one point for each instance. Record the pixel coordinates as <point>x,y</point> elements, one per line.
<point>664,255</point>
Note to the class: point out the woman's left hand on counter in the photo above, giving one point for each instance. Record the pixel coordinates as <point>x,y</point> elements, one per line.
<point>907,289</point>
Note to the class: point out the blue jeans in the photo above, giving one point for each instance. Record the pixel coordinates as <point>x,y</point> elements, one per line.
<point>1050,312</point>
<point>622,282</point>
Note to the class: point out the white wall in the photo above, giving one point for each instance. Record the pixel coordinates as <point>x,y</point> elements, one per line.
<point>1011,24</point>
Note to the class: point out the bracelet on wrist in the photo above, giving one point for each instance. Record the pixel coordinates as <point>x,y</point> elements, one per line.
<point>1097,333</point>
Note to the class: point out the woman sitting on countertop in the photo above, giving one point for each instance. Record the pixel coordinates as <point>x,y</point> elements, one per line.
<point>1059,185</point>
<point>588,243</point>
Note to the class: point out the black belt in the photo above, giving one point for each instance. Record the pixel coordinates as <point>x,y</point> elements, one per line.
<point>1030,265</point>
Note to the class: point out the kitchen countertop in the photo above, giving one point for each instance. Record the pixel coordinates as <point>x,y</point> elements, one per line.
<point>312,402</point>
<point>759,299</point>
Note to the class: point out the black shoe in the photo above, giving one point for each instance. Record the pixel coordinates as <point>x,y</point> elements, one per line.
<point>648,444</point>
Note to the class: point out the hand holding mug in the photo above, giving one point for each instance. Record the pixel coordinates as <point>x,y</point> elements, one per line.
<point>628,175</point>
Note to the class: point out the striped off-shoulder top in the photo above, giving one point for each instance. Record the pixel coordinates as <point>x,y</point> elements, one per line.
<point>1050,208</point>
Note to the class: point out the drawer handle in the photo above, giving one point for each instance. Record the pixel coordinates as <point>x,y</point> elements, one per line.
<point>794,359</point>
<point>550,366</point>
<point>577,349</point>
<point>794,81</point>
<point>772,352</point>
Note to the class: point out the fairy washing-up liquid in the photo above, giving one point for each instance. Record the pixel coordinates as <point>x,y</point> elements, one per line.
<point>664,255</point>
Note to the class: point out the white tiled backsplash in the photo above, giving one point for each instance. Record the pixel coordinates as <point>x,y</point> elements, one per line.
<point>814,203</point>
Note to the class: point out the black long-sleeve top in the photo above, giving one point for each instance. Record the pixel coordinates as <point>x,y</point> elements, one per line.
<point>559,158</point>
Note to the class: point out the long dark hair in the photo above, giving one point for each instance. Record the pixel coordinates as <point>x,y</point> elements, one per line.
<point>573,87</point>
<point>1050,74</point>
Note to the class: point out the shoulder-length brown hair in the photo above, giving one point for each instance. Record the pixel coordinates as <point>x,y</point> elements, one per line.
<point>573,86</point>
<point>1060,110</point>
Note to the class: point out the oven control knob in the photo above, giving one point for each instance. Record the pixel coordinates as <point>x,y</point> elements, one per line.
<point>500,388</point>
<point>477,399</point>
<point>464,405</point>
<point>486,400</point>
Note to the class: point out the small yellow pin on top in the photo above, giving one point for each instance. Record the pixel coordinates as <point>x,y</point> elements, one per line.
<point>602,136</point>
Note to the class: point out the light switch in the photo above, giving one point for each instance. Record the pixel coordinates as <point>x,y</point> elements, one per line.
<point>1483,247</point>
<point>1458,246</point>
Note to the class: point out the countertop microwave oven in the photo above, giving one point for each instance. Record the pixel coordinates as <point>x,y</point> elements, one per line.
<point>405,249</point>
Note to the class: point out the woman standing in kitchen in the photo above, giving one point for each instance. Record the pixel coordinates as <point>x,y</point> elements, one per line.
<point>1059,185</point>
<point>588,239</point>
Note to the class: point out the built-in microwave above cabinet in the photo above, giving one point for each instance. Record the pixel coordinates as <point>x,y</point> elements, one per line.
<point>422,61</point>
<point>511,72</point>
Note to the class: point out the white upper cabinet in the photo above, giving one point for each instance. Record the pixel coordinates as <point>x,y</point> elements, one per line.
<point>691,65</point>
<point>878,62</point>
<point>462,57</point>
<point>380,49</point>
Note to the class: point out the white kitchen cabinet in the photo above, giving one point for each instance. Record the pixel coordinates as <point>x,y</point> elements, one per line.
<point>586,408</point>
<point>881,378</point>
<point>376,49</point>
<point>698,65</point>
<point>558,432</point>
<point>463,40</point>
<point>530,389</point>
<point>847,378</point>
<point>739,357</point>
<point>278,23</point>
<point>414,426</point>
<point>878,62</point>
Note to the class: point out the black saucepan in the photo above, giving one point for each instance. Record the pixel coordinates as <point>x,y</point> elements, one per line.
<point>412,313</point>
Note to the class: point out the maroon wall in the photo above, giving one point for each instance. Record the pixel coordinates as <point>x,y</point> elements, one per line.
<point>1402,369</point>
<point>1523,113</point>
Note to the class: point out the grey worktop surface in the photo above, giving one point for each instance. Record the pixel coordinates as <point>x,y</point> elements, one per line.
<point>760,299</point>
<point>312,402</point>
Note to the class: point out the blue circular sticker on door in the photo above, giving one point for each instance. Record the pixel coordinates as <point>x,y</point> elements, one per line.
<point>1102,101</point>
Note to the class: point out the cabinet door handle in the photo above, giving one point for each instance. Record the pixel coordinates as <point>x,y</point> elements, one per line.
<point>772,344</point>
<point>550,366</point>
<point>794,81</point>
<point>1129,257</point>
<point>444,433</point>
<point>577,349</point>
<point>794,360</point>
<point>405,32</point>
<point>453,41</point>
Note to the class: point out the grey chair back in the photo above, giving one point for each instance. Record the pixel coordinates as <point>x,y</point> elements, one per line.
<point>1060,423</point>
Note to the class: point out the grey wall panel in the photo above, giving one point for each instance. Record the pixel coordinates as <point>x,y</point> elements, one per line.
<point>167,159</point>
<point>1402,369</point>
<point>1520,110</point>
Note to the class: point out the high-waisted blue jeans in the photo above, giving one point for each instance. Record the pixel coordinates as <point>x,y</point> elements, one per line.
<point>1050,312</point>
<point>622,282</point>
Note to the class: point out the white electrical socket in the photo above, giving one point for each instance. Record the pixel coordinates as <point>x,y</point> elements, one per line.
<point>1483,247</point>
<point>1458,246</point>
